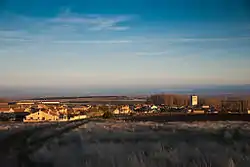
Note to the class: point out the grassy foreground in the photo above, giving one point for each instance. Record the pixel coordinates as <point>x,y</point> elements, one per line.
<point>149,144</point>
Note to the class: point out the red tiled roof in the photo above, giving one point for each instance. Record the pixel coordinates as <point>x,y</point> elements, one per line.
<point>3,109</point>
<point>4,104</point>
<point>18,110</point>
<point>51,113</point>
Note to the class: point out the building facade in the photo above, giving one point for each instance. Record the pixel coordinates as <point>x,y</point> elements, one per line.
<point>194,100</point>
<point>234,105</point>
<point>41,116</point>
<point>170,100</point>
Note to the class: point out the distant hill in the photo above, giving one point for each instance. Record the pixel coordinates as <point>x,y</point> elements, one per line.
<point>210,90</point>
<point>3,100</point>
<point>135,91</point>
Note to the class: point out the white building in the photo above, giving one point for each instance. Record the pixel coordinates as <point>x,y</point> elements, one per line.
<point>194,100</point>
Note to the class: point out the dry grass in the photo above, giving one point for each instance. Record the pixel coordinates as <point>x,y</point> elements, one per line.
<point>207,144</point>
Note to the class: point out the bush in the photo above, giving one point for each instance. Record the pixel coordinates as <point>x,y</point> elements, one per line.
<point>107,115</point>
<point>132,114</point>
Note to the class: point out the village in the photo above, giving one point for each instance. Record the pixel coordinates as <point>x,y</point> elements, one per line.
<point>28,111</point>
<point>54,111</point>
<point>62,110</point>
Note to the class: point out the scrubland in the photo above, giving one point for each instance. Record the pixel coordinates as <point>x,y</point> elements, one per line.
<point>149,144</point>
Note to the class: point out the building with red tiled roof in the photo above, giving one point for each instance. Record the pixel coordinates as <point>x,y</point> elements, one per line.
<point>5,109</point>
<point>17,110</point>
<point>42,116</point>
<point>12,110</point>
<point>4,104</point>
<point>14,113</point>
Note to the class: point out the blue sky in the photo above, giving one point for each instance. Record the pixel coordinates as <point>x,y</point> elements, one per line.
<point>104,43</point>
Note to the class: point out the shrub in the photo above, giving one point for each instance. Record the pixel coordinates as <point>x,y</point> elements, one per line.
<point>132,114</point>
<point>107,115</point>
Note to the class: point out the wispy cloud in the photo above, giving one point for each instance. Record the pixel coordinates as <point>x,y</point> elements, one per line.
<point>65,28</point>
<point>93,22</point>
<point>151,53</point>
<point>15,39</point>
<point>105,27</point>
<point>189,40</point>
<point>20,37</point>
<point>92,41</point>
<point>209,39</point>
<point>15,27</point>
<point>170,54</point>
<point>14,34</point>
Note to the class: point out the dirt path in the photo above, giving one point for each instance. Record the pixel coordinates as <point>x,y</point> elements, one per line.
<point>16,148</point>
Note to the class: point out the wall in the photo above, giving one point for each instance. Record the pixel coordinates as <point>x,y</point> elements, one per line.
<point>40,115</point>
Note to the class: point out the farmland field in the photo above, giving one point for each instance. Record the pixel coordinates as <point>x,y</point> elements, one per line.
<point>149,144</point>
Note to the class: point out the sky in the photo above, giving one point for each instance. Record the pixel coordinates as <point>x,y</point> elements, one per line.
<point>124,43</point>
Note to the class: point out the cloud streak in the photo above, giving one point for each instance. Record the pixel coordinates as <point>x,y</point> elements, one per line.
<point>65,28</point>
<point>200,39</point>
<point>92,22</point>
<point>209,39</point>
<point>92,42</point>
<point>151,53</point>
